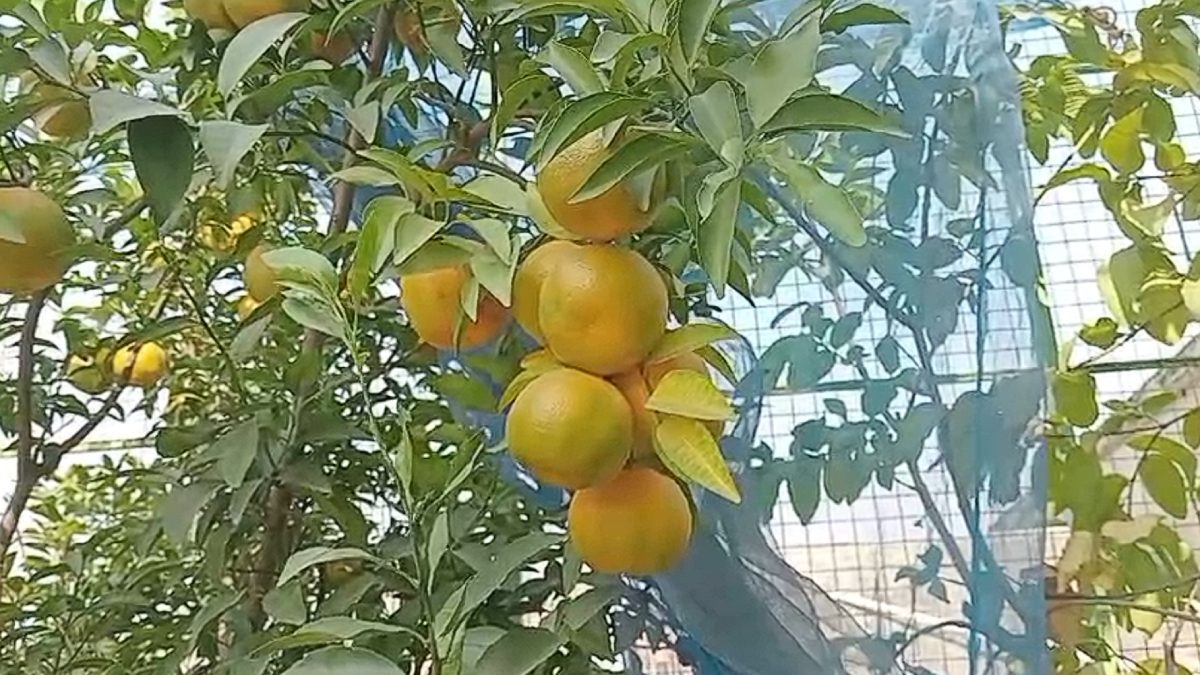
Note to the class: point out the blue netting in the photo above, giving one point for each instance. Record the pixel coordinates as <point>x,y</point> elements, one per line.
<point>735,605</point>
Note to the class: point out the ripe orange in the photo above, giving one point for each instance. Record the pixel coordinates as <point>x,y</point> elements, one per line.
<point>527,283</point>
<point>209,12</point>
<point>607,216</point>
<point>143,365</point>
<point>639,522</point>
<point>433,302</point>
<point>602,309</point>
<point>570,428</point>
<point>245,12</point>
<point>259,277</point>
<point>43,258</point>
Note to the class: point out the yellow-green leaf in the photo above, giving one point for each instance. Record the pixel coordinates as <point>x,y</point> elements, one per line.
<point>540,361</point>
<point>1145,620</point>
<point>687,448</point>
<point>1129,531</point>
<point>689,338</point>
<point>689,394</point>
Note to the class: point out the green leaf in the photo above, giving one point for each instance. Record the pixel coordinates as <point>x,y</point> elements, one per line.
<point>690,20</point>
<point>640,153</point>
<point>163,157</point>
<point>494,274</point>
<point>1191,428</point>
<point>1170,449</point>
<point>351,10</point>
<point>342,661</point>
<point>226,143</point>
<point>180,507</point>
<point>688,393</point>
<point>328,630</point>
<point>1120,280</point>
<point>376,242</point>
<point>316,555</point>
<point>502,562</point>
<point>366,175</point>
<point>1189,291</point>
<point>285,604</point>
<point>519,652</point>
<point>581,117</point>
<point>1075,397</point>
<point>515,95</point>
<point>824,202</point>
<point>235,452</point>
<point>501,191</point>
<point>1122,145</point>
<point>781,68</point>
<point>315,315</point>
<point>528,9</point>
<point>716,235</point>
<point>1101,333</point>
<point>804,487</point>
<point>865,14</point>
<point>718,361</point>
<point>110,108</point>
<point>1164,481</point>
<point>574,68</point>
<point>831,112</point>
<point>1161,307</point>
<point>716,115</point>
<point>300,265</point>
<point>248,46</point>
<point>887,350</point>
<point>685,445</point>
<point>689,338</point>
<point>365,119</point>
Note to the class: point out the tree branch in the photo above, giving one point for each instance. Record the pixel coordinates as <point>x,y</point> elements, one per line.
<point>27,473</point>
<point>279,502</point>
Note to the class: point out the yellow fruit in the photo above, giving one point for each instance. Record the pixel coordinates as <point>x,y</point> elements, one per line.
<point>334,49</point>
<point>607,216</point>
<point>571,429</point>
<point>209,12</point>
<point>260,279</point>
<point>143,365</point>
<point>640,522</point>
<point>603,309</point>
<point>245,12</point>
<point>527,283</point>
<point>246,306</point>
<point>433,302</point>
<point>43,258</point>
<point>85,374</point>
<point>223,238</point>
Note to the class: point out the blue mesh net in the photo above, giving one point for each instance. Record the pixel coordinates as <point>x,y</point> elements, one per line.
<point>736,606</point>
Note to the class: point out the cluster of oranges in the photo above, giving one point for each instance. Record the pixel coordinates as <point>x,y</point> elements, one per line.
<point>578,417</point>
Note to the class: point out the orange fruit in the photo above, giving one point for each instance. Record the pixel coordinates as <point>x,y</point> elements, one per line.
<point>570,428</point>
<point>527,283</point>
<point>433,302</point>
<point>143,365</point>
<point>602,309</point>
<point>43,258</point>
<point>245,12</point>
<point>334,49</point>
<point>607,216</point>
<point>65,114</point>
<point>209,12</point>
<point>246,306</point>
<point>639,522</point>
<point>259,277</point>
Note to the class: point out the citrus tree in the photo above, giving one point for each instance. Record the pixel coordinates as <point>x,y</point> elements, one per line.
<point>1125,566</point>
<point>295,234</point>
